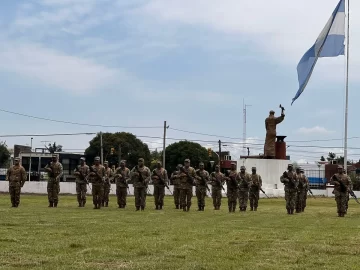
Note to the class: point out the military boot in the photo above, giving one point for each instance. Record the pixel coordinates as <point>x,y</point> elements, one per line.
<point>50,204</point>
<point>184,208</point>
<point>298,210</point>
<point>233,208</point>
<point>244,209</point>
<point>199,207</point>
<point>160,208</point>
<point>177,207</point>
<point>80,204</point>
<point>288,211</point>
<point>187,208</point>
<point>251,209</point>
<point>142,208</point>
<point>55,204</point>
<point>255,209</point>
<point>107,204</point>
<point>291,211</point>
<point>137,208</point>
<point>230,209</point>
<point>83,203</point>
<point>181,207</point>
<point>157,207</point>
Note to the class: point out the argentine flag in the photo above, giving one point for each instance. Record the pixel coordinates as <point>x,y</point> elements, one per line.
<point>330,43</point>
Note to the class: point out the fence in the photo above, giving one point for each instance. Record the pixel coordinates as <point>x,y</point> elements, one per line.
<point>316,178</point>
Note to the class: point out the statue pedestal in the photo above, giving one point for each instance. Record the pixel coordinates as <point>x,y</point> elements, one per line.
<point>280,148</point>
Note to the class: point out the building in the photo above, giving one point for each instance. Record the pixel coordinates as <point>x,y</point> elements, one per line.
<point>225,160</point>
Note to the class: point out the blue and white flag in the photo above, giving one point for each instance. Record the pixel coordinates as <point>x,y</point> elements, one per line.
<point>330,43</point>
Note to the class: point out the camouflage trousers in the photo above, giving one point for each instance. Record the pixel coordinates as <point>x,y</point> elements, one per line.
<point>97,193</point>
<point>300,200</point>
<point>14,191</point>
<point>140,196</point>
<point>200,195</point>
<point>232,198</point>
<point>290,197</point>
<point>341,199</point>
<point>185,197</point>
<point>176,195</point>
<point>121,194</point>
<point>106,193</point>
<point>216,196</point>
<point>53,190</point>
<point>254,195</point>
<point>81,189</point>
<point>159,194</point>
<point>243,197</point>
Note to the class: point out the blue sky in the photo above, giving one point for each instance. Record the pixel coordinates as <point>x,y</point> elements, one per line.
<point>191,63</point>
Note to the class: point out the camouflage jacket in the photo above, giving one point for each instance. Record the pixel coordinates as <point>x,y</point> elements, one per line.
<point>303,181</point>
<point>217,179</point>
<point>174,179</point>
<point>162,173</point>
<point>202,178</point>
<point>84,172</point>
<point>16,175</point>
<point>97,175</point>
<point>231,181</point>
<point>135,176</point>
<point>345,180</point>
<point>256,181</point>
<point>122,176</point>
<point>108,176</point>
<point>184,181</point>
<point>57,171</point>
<point>291,181</point>
<point>244,180</point>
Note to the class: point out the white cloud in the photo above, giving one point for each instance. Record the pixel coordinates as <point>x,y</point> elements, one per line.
<point>314,130</point>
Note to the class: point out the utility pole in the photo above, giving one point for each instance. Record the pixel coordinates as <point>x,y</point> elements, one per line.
<point>119,153</point>
<point>220,155</point>
<point>30,160</point>
<point>101,149</point>
<point>164,142</point>
<point>244,123</point>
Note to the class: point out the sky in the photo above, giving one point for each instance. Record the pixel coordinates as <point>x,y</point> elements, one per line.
<point>134,64</point>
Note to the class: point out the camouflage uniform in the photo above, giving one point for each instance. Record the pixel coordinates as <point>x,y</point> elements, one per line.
<point>107,186</point>
<point>81,173</point>
<point>186,186</point>
<point>96,178</point>
<point>301,192</point>
<point>244,185</point>
<point>16,176</point>
<point>175,182</point>
<point>160,180</point>
<point>290,181</point>
<point>270,125</point>
<point>232,190</point>
<point>254,193</point>
<point>202,178</point>
<point>217,180</point>
<point>306,191</point>
<point>140,186</point>
<point>342,183</point>
<point>53,185</point>
<point>122,176</point>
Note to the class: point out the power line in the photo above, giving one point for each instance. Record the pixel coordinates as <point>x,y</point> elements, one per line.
<point>46,135</point>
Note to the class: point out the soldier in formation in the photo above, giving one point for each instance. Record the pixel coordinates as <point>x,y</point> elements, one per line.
<point>303,186</point>
<point>160,180</point>
<point>122,176</point>
<point>244,181</point>
<point>217,180</point>
<point>107,184</point>
<point>16,176</point>
<point>186,181</point>
<point>290,181</point>
<point>140,175</point>
<point>232,187</point>
<point>256,185</point>
<point>342,184</point>
<point>81,173</point>
<point>176,185</point>
<point>201,180</point>
<point>97,177</point>
<point>55,172</point>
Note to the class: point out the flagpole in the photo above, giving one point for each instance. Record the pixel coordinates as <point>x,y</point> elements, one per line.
<point>347,87</point>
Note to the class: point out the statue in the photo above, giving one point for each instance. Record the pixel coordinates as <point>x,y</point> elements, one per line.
<point>270,125</point>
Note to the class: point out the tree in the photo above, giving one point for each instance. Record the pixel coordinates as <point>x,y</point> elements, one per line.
<point>4,154</point>
<point>177,152</point>
<point>322,158</point>
<point>53,148</point>
<point>331,156</point>
<point>131,149</point>
<point>155,156</point>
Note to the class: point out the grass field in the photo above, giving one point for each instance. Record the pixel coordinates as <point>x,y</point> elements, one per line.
<point>34,236</point>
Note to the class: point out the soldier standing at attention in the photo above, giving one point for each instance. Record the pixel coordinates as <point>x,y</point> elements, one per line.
<point>140,175</point>
<point>16,176</point>
<point>55,172</point>
<point>290,182</point>
<point>232,188</point>
<point>306,180</point>
<point>217,180</point>
<point>186,179</point>
<point>202,178</point>
<point>256,184</point>
<point>342,183</point>
<point>107,184</point>
<point>160,179</point>
<point>97,177</point>
<point>302,191</point>
<point>122,176</point>
<point>244,185</point>
<point>81,172</point>
<point>175,182</point>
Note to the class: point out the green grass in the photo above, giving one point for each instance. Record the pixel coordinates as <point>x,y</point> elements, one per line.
<point>34,236</point>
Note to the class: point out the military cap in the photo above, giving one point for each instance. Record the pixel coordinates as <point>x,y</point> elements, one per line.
<point>242,168</point>
<point>253,168</point>
<point>201,163</point>
<point>187,160</point>
<point>106,162</point>
<point>54,155</point>
<point>290,165</point>
<point>180,166</point>
<point>217,166</point>
<point>301,170</point>
<point>17,158</point>
<point>298,168</point>
<point>97,159</point>
<point>140,159</point>
<point>82,158</point>
<point>159,162</point>
<point>123,161</point>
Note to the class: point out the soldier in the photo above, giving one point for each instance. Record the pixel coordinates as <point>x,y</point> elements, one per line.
<point>342,183</point>
<point>348,198</point>
<point>122,176</point>
<point>256,185</point>
<point>175,182</point>
<point>201,179</point>
<point>244,184</point>
<point>186,179</point>
<point>97,177</point>
<point>140,175</point>
<point>16,176</point>
<point>55,172</point>
<point>290,182</point>
<point>81,172</point>
<point>306,180</point>
<point>217,180</point>
<point>160,180</point>
<point>302,191</point>
<point>107,184</point>
<point>232,187</point>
